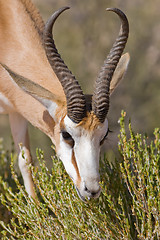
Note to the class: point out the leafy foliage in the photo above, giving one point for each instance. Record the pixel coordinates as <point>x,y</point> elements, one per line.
<point>128,208</point>
<point>141,173</point>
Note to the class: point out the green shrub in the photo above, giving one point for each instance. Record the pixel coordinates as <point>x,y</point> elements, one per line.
<point>128,208</point>
<point>5,172</point>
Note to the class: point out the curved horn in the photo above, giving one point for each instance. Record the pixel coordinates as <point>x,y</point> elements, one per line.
<point>100,102</point>
<point>76,105</point>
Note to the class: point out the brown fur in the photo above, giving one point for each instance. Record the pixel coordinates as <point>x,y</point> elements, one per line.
<point>90,122</point>
<point>34,15</point>
<point>78,182</point>
<point>17,19</point>
<point>61,112</point>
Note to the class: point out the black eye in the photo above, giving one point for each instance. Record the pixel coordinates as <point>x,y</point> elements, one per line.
<point>66,135</point>
<point>102,141</point>
<point>68,138</point>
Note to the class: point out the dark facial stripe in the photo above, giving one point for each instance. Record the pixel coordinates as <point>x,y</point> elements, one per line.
<point>76,168</point>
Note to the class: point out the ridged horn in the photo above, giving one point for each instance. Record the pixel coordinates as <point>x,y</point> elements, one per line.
<point>76,105</point>
<point>100,100</point>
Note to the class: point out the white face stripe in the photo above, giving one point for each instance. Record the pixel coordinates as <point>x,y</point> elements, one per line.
<point>65,154</point>
<point>86,149</point>
<point>76,131</point>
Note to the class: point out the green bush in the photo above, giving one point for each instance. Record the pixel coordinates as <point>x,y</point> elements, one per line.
<point>128,208</point>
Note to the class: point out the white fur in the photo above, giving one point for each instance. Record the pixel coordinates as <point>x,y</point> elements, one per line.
<point>52,109</point>
<point>5,104</point>
<point>87,150</point>
<point>65,154</point>
<point>20,135</point>
<point>24,161</point>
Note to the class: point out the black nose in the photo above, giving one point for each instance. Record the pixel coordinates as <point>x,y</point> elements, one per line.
<point>92,193</point>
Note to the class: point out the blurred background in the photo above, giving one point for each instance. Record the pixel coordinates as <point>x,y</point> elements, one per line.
<point>84,36</point>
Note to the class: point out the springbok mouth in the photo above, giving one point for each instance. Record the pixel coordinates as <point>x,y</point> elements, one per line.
<point>80,196</point>
<point>89,198</point>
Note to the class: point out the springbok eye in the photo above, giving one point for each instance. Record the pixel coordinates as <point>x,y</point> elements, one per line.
<point>102,141</point>
<point>68,138</point>
<point>66,135</point>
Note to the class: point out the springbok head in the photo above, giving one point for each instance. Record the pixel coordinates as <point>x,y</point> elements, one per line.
<point>81,124</point>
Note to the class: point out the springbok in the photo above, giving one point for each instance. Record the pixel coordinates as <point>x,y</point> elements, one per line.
<point>37,86</point>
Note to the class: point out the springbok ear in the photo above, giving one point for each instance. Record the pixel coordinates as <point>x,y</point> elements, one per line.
<point>120,71</point>
<point>45,97</point>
